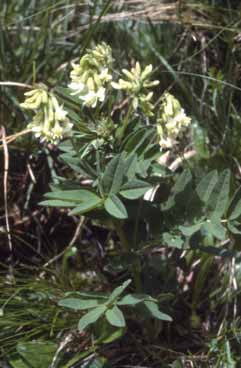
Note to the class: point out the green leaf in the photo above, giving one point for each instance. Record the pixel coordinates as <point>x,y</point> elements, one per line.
<point>86,206</point>
<point>220,196</point>
<point>78,304</point>
<point>115,207</point>
<point>91,317</point>
<point>73,162</point>
<point>88,295</point>
<point>138,139</point>
<point>206,186</point>
<point>190,230</point>
<point>115,317</point>
<point>118,291</point>
<point>234,210</point>
<point>146,297</point>
<point>234,227</point>
<point>130,299</point>
<point>106,333</point>
<point>87,169</point>
<point>173,241</point>
<point>182,182</point>
<point>37,354</point>
<point>83,200</point>
<point>216,229</point>
<point>76,195</point>
<point>66,93</point>
<point>131,165</point>
<point>57,203</point>
<point>161,170</point>
<point>134,189</point>
<point>113,175</point>
<point>111,336</point>
<point>180,190</point>
<point>155,312</point>
<point>152,152</point>
<point>143,167</point>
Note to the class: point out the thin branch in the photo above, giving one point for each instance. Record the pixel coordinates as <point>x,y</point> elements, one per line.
<point>5,187</point>
<point>15,84</point>
<point>12,137</point>
<point>73,240</point>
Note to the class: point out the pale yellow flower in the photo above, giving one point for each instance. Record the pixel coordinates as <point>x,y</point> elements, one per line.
<point>50,122</point>
<point>35,97</point>
<point>91,76</point>
<point>136,84</point>
<point>172,121</point>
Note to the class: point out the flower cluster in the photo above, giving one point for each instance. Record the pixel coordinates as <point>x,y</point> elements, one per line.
<point>89,81</point>
<point>105,128</point>
<point>136,84</point>
<point>50,122</point>
<point>91,76</point>
<point>172,121</point>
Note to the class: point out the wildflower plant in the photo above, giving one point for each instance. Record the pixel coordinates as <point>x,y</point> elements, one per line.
<point>50,122</point>
<point>90,78</point>
<point>172,121</point>
<point>137,84</point>
<point>118,150</point>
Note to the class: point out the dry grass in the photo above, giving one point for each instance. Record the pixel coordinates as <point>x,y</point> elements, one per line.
<point>143,10</point>
<point>179,12</point>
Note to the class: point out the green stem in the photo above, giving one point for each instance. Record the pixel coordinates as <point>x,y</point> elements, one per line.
<point>122,236</point>
<point>136,270</point>
<point>121,130</point>
<point>137,263</point>
<point>135,266</point>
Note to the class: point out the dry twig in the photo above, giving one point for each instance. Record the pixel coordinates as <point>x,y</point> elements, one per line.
<point>5,187</point>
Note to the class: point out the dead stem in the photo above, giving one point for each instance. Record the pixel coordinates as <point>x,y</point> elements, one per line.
<point>5,187</point>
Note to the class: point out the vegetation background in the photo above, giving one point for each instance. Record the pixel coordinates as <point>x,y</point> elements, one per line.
<point>195,47</point>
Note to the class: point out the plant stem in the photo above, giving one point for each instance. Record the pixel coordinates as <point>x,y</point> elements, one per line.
<point>136,270</point>
<point>122,236</point>
<point>121,130</point>
<point>135,265</point>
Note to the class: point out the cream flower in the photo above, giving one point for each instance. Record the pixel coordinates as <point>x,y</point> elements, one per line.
<point>91,76</point>
<point>35,97</point>
<point>136,84</point>
<point>77,87</point>
<point>137,80</point>
<point>91,98</point>
<point>172,121</point>
<point>50,122</point>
